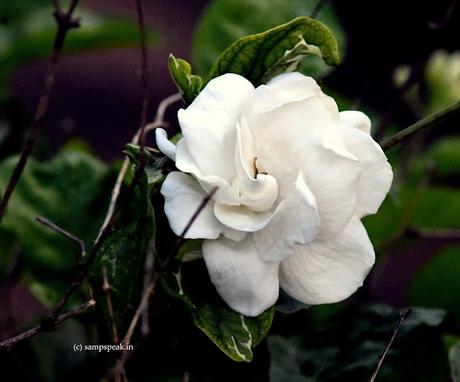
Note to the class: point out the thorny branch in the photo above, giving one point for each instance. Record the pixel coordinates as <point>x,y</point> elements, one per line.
<point>65,22</point>
<point>402,318</point>
<point>45,326</point>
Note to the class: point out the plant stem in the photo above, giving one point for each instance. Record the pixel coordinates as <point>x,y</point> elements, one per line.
<point>402,317</point>
<point>44,327</point>
<point>432,120</point>
<point>65,22</point>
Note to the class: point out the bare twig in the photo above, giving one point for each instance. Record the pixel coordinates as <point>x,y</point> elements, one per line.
<point>432,120</point>
<point>149,291</point>
<point>438,233</point>
<point>65,22</point>
<point>106,288</point>
<point>444,21</point>
<point>148,273</point>
<point>83,269</point>
<point>108,223</point>
<point>144,72</point>
<point>317,8</point>
<point>63,232</point>
<point>402,317</point>
<point>166,264</point>
<point>45,327</point>
<point>157,122</point>
<point>415,75</point>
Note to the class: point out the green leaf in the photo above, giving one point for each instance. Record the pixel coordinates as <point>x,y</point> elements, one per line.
<point>236,335</point>
<point>437,284</point>
<point>432,208</point>
<point>446,154</point>
<point>190,250</point>
<point>181,72</point>
<point>286,360</point>
<point>122,254</point>
<point>347,348</point>
<point>12,9</point>
<point>69,190</point>
<point>29,36</point>
<point>154,165</point>
<point>233,333</point>
<point>224,22</point>
<point>262,56</point>
<point>438,208</point>
<point>454,360</point>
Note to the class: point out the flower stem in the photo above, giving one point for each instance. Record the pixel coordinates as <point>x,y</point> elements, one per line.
<point>432,120</point>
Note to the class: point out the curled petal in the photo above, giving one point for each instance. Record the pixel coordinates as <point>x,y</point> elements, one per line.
<point>375,181</point>
<point>256,191</point>
<point>225,192</point>
<point>330,271</point>
<point>183,195</point>
<point>209,124</point>
<point>248,284</point>
<point>283,136</point>
<point>283,89</point>
<point>164,144</point>
<point>333,176</point>
<point>356,119</point>
<point>296,222</point>
<point>242,218</point>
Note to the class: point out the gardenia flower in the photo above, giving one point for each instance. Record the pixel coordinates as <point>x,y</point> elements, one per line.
<point>294,178</point>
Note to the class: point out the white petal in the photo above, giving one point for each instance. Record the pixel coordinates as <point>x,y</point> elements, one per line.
<point>242,218</point>
<point>333,177</point>
<point>183,195</point>
<point>248,284</point>
<point>209,124</point>
<point>256,191</point>
<point>356,119</point>
<point>282,136</point>
<point>164,144</point>
<point>327,272</point>
<point>296,221</point>
<point>375,181</point>
<point>282,89</point>
<point>184,162</point>
<point>233,234</point>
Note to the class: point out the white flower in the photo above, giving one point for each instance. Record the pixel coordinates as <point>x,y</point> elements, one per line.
<point>295,177</point>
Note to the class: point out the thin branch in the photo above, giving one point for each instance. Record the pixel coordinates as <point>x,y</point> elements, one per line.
<point>402,317</point>
<point>65,22</point>
<point>144,72</point>
<point>103,232</point>
<point>317,8</point>
<point>157,122</point>
<point>149,291</point>
<point>44,327</point>
<point>148,271</point>
<point>438,233</point>
<point>83,269</point>
<point>442,23</point>
<point>106,288</point>
<point>432,120</point>
<point>63,232</point>
<point>416,74</point>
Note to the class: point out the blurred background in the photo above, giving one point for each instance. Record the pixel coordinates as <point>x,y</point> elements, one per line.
<point>400,63</point>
